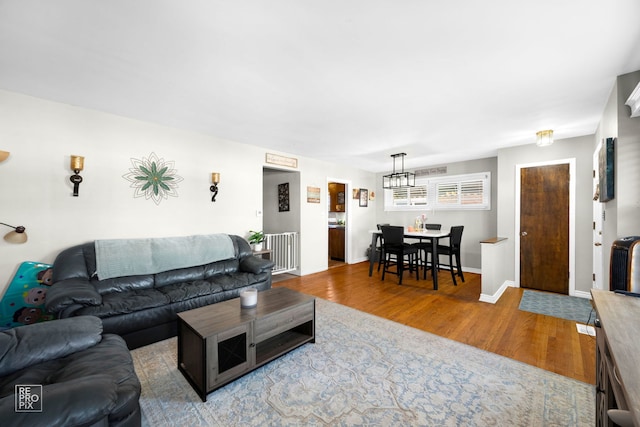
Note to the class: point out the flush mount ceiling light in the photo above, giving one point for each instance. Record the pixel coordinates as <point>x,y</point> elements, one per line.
<point>399,179</point>
<point>634,102</point>
<point>544,138</point>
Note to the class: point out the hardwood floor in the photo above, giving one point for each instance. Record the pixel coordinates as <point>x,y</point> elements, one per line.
<point>455,312</point>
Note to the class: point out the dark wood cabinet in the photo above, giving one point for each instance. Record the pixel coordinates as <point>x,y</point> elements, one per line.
<point>220,342</point>
<point>617,358</point>
<point>336,243</point>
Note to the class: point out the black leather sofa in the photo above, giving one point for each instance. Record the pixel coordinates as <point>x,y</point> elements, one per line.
<point>143,308</point>
<point>81,377</point>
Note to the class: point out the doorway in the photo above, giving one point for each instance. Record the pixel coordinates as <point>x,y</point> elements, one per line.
<point>337,223</point>
<point>280,215</point>
<point>544,226</point>
<point>598,223</point>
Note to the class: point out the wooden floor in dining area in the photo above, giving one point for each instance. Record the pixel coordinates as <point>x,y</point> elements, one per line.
<point>455,312</point>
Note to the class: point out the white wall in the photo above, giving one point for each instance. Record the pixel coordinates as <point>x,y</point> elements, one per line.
<point>36,192</point>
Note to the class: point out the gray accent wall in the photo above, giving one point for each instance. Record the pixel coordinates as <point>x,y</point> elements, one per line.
<point>627,161</point>
<point>478,225</point>
<point>580,149</point>
<point>622,213</point>
<point>274,221</point>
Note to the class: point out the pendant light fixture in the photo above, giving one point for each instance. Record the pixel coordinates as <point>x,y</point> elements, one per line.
<point>399,179</point>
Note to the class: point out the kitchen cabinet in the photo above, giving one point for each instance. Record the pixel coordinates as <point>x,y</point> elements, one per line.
<point>336,197</point>
<point>336,243</point>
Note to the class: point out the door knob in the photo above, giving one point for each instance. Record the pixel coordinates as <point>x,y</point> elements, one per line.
<point>523,234</point>
<point>597,244</point>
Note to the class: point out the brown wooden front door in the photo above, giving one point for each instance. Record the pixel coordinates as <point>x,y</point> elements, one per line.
<point>544,228</point>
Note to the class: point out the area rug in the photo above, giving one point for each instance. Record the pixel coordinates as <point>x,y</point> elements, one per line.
<point>556,305</point>
<point>365,370</point>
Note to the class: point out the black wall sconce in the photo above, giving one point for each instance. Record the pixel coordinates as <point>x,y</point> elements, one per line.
<point>18,234</point>
<point>77,164</point>
<point>215,179</point>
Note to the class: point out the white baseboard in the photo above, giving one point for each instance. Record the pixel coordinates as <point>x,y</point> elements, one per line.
<point>495,297</point>
<point>581,294</point>
<point>509,283</point>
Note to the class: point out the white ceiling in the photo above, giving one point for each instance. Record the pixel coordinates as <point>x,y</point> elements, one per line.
<point>345,81</point>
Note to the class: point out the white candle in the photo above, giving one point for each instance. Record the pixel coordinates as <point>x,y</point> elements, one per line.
<point>249,298</point>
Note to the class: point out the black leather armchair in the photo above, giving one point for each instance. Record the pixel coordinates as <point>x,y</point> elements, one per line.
<point>87,378</point>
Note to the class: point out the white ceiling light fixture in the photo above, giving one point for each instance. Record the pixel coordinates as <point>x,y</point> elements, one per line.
<point>634,102</point>
<point>544,138</point>
<point>399,179</point>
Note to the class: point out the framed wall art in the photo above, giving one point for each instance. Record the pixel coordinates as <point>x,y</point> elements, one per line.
<point>606,170</point>
<point>283,197</point>
<point>364,197</point>
<point>313,194</point>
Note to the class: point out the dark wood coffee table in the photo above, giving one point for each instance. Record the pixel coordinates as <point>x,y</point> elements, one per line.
<point>221,342</point>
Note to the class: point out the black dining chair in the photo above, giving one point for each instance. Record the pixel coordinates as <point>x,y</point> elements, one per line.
<point>424,249</point>
<point>395,250</point>
<point>452,250</point>
<point>379,250</point>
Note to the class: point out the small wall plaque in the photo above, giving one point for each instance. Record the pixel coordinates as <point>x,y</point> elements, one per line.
<point>276,159</point>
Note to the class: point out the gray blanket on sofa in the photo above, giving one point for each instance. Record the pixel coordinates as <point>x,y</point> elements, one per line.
<point>130,257</point>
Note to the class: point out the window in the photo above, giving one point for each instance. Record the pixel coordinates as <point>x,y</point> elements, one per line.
<point>454,192</point>
<point>410,196</point>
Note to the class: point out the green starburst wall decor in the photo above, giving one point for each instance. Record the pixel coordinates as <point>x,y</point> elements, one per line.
<point>153,178</point>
